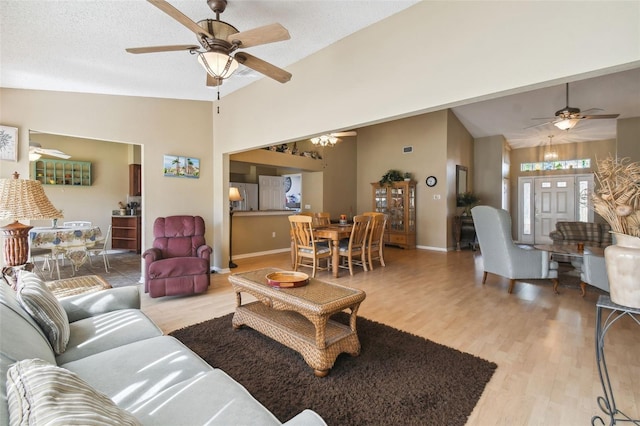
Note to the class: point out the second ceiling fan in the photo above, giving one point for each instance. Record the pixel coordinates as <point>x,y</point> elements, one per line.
<point>219,40</point>
<point>567,117</point>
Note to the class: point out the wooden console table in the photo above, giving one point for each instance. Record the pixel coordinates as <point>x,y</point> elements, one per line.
<point>464,232</point>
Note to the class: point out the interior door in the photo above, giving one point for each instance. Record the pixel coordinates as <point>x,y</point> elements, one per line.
<point>554,201</point>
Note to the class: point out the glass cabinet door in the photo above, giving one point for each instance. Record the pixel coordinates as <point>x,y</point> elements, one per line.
<point>396,209</point>
<point>380,199</point>
<point>412,208</point>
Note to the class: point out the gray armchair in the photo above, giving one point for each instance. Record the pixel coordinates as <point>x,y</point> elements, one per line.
<point>594,272</point>
<point>501,256</point>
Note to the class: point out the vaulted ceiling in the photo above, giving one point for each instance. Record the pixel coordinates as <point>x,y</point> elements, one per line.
<point>79,46</point>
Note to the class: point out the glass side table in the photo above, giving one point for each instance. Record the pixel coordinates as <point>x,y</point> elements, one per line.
<point>607,402</point>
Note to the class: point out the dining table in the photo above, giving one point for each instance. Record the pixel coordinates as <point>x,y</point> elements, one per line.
<point>334,233</point>
<point>70,241</point>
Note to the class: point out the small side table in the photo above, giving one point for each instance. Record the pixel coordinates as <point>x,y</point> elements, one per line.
<point>607,402</point>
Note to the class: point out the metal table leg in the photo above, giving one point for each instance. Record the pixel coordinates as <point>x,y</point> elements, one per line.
<point>607,403</point>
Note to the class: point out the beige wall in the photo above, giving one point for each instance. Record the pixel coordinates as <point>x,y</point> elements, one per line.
<point>160,126</point>
<point>628,140</point>
<point>340,179</point>
<point>487,172</point>
<point>254,234</point>
<point>313,192</point>
<point>460,151</point>
<point>380,148</point>
<point>109,175</point>
<point>504,57</point>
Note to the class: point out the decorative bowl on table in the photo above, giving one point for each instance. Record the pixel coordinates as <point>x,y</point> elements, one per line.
<point>288,279</point>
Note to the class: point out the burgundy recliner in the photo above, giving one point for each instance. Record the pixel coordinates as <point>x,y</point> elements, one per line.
<point>178,263</point>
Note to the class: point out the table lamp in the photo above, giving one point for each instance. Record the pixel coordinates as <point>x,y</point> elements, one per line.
<point>22,199</point>
<point>234,195</point>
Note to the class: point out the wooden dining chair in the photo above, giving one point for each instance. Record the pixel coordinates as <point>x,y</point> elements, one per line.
<point>355,245</point>
<point>321,219</point>
<point>293,250</point>
<point>374,247</point>
<point>307,250</point>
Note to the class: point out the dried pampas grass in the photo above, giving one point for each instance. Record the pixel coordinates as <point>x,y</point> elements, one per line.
<point>617,199</point>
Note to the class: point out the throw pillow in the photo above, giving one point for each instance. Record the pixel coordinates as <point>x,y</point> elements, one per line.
<point>41,393</point>
<point>40,303</point>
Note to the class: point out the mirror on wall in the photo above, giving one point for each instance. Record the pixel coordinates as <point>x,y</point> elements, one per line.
<point>461,180</point>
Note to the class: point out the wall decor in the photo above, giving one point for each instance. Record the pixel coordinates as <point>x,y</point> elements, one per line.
<point>8,143</point>
<point>181,166</point>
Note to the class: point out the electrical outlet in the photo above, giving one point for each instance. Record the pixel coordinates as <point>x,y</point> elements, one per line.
<point>273,234</point>
<point>307,206</point>
<point>436,197</point>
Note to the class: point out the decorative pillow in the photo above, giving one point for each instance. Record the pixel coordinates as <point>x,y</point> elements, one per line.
<point>41,393</point>
<point>39,302</point>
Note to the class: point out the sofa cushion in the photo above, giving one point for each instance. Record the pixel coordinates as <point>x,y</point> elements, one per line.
<point>220,401</point>
<point>36,298</point>
<point>41,393</point>
<point>110,330</point>
<point>139,370</point>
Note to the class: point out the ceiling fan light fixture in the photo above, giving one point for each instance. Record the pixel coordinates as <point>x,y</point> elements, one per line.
<point>566,124</point>
<point>324,140</point>
<point>219,65</point>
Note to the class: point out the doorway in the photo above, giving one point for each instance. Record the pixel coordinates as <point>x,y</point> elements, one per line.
<point>545,200</point>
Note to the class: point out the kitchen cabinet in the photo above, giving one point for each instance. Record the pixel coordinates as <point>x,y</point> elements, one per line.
<point>135,179</point>
<point>398,202</point>
<point>126,233</point>
<point>61,172</point>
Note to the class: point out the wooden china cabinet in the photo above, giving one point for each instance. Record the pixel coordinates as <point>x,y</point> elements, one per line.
<point>398,202</point>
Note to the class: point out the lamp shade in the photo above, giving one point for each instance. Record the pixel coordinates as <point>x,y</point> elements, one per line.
<point>25,199</point>
<point>234,194</point>
<point>22,199</point>
<point>218,64</point>
<point>566,124</point>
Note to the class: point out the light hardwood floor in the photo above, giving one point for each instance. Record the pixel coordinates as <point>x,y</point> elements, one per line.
<point>543,343</point>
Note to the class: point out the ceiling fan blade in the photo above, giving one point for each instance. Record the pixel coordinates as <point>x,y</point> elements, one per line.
<point>212,81</point>
<point>261,35</point>
<point>344,134</point>
<point>539,124</point>
<point>179,16</point>
<point>263,67</point>
<point>154,49</point>
<point>49,152</point>
<point>601,116</point>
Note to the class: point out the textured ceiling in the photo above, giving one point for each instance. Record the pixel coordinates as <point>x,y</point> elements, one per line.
<point>79,46</point>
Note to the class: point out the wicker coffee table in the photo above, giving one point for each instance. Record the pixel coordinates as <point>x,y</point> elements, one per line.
<point>299,317</point>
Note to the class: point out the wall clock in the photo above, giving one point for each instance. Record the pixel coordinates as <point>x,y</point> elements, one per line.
<point>431,181</point>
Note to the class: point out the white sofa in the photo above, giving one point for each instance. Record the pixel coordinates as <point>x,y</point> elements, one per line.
<point>119,352</point>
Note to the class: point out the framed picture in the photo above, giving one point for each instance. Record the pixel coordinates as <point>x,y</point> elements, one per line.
<point>180,166</point>
<point>8,143</point>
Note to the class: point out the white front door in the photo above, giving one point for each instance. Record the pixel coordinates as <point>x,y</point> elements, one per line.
<point>545,200</point>
<point>554,201</point>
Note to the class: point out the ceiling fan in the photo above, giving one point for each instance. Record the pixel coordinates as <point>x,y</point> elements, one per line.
<point>36,150</point>
<point>568,117</point>
<point>219,40</point>
<point>331,139</point>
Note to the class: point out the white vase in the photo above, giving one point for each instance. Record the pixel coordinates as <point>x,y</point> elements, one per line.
<point>623,269</point>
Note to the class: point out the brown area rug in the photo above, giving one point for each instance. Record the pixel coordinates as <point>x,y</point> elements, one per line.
<point>399,378</point>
